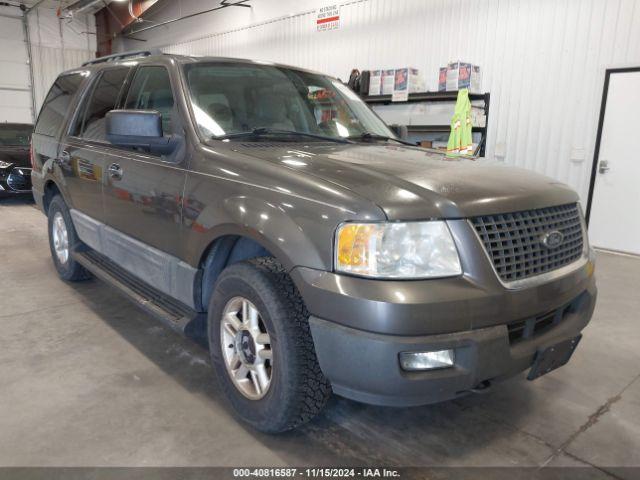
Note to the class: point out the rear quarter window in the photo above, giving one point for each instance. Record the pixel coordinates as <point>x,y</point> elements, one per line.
<point>57,103</point>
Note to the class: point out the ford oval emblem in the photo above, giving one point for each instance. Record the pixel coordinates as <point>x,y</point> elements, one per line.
<point>552,239</point>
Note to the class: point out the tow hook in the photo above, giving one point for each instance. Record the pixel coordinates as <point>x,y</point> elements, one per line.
<point>482,387</point>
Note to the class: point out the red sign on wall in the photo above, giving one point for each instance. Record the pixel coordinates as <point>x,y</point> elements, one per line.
<point>328,18</point>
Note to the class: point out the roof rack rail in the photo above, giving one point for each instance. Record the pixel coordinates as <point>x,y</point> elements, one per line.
<point>119,56</point>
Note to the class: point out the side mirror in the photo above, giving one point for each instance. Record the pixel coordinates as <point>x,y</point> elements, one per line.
<point>138,129</point>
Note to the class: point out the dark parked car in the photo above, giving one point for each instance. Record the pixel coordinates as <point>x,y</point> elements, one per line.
<point>15,168</point>
<point>270,204</point>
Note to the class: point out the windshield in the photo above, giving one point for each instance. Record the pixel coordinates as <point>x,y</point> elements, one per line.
<point>231,98</point>
<point>15,135</point>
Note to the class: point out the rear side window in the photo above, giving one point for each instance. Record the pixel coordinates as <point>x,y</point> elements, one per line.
<point>103,99</point>
<point>151,90</point>
<point>55,106</point>
<point>14,134</point>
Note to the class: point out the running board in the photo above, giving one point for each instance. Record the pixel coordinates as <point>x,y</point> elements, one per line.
<point>170,312</point>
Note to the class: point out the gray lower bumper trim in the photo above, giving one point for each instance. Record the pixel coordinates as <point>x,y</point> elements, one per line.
<point>162,271</point>
<point>364,366</point>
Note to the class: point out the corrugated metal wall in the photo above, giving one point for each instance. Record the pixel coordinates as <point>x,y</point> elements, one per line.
<point>543,61</point>
<point>15,94</point>
<point>49,62</point>
<point>57,45</point>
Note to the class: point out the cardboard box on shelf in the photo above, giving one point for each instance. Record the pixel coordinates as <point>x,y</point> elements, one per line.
<point>406,80</point>
<point>442,79</point>
<point>475,82</point>
<point>458,75</point>
<point>375,82</point>
<point>388,79</point>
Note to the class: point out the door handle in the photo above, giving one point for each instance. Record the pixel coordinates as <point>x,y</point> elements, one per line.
<point>115,171</point>
<point>603,166</point>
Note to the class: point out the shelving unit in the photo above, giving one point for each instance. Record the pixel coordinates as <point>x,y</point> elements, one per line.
<point>428,97</point>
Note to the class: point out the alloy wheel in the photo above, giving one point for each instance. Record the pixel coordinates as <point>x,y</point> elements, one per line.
<point>60,238</point>
<point>246,348</point>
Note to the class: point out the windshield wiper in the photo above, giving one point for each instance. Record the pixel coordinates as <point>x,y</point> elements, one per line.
<point>264,131</point>
<point>375,136</point>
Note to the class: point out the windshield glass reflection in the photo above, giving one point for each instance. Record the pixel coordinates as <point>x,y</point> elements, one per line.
<point>235,98</point>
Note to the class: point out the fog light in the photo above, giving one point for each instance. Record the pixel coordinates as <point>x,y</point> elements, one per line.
<point>427,360</point>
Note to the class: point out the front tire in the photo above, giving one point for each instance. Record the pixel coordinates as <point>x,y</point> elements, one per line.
<point>261,347</point>
<point>63,240</point>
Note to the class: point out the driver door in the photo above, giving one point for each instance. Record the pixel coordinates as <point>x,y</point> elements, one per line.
<point>143,191</point>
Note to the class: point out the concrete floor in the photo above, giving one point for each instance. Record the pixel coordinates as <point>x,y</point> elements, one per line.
<point>86,379</point>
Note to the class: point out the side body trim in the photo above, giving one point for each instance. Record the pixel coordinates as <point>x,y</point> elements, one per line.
<point>161,270</point>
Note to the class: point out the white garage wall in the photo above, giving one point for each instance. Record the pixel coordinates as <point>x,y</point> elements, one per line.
<point>58,45</point>
<point>543,60</point>
<point>15,95</point>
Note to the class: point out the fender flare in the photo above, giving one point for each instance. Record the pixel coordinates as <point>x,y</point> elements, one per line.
<point>253,228</point>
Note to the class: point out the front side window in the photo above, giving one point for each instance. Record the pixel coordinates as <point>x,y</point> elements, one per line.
<point>14,134</point>
<point>230,98</point>
<point>55,106</point>
<point>151,90</point>
<point>103,99</point>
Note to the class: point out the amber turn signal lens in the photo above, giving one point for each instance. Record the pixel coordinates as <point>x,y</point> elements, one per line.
<point>353,244</point>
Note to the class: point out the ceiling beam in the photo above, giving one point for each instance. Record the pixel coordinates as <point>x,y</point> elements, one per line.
<point>223,4</point>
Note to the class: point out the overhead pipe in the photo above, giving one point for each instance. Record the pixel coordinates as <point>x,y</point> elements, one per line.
<point>82,5</point>
<point>115,17</point>
<point>223,4</point>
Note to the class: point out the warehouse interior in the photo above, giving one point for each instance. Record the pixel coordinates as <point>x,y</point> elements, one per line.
<point>92,381</point>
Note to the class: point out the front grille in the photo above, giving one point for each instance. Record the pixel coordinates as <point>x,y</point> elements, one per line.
<point>514,241</point>
<point>20,179</point>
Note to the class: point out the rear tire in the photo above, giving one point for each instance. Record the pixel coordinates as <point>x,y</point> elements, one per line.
<point>295,388</point>
<point>63,240</point>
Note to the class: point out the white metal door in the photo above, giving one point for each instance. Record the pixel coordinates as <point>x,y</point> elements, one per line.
<point>615,209</point>
<point>15,89</point>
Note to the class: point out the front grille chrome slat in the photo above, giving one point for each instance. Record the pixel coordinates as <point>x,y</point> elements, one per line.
<point>513,241</point>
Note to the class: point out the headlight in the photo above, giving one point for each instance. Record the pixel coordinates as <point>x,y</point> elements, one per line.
<point>4,164</point>
<point>397,250</point>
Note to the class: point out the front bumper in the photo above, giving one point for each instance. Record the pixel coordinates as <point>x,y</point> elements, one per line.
<point>360,326</point>
<point>365,366</point>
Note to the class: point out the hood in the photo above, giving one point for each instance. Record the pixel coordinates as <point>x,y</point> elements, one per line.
<point>411,183</point>
<point>18,155</point>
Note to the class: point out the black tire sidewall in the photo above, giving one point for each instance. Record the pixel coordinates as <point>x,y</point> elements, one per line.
<point>70,269</point>
<point>269,412</point>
